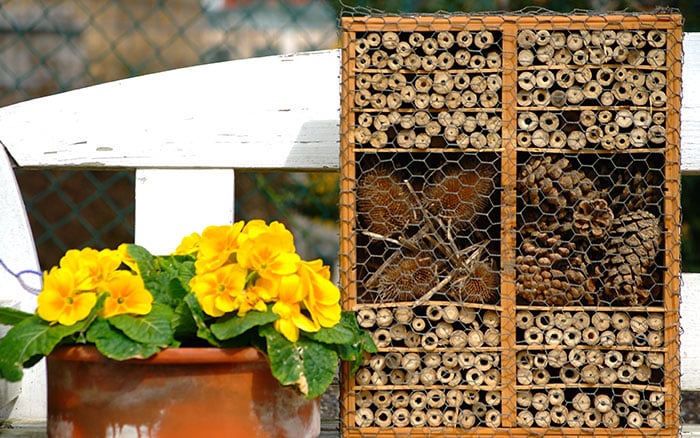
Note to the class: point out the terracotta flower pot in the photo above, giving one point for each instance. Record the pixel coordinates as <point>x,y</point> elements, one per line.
<point>183,392</point>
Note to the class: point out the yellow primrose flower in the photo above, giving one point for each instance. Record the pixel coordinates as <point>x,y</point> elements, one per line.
<point>189,244</point>
<point>250,299</point>
<point>322,296</point>
<point>61,300</point>
<point>217,246</point>
<point>127,294</point>
<point>270,253</point>
<point>289,309</point>
<point>217,291</point>
<point>253,229</point>
<point>129,261</point>
<point>91,268</point>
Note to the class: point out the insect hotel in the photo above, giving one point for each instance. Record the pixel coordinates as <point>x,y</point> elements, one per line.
<point>510,220</point>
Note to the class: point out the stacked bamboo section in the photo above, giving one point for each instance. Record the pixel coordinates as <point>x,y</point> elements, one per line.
<point>404,78</point>
<point>588,72</point>
<point>510,218</point>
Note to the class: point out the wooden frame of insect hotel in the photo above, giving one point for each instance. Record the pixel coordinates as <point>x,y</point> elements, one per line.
<point>510,223</point>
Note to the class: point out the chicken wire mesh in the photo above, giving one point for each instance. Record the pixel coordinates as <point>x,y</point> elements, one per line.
<point>510,222</point>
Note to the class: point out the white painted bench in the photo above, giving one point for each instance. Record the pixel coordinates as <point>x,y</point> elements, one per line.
<point>186,131</point>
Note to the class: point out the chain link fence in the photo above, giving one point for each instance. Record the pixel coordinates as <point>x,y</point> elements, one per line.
<point>51,46</point>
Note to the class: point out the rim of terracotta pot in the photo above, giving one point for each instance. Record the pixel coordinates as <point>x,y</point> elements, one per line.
<point>88,353</point>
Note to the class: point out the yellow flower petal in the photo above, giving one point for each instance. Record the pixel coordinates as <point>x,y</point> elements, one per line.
<point>217,246</point>
<point>60,300</point>
<point>217,291</point>
<point>127,294</point>
<point>188,245</point>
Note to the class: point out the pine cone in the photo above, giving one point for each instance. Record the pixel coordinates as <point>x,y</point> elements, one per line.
<point>550,271</point>
<point>384,203</point>
<point>550,190</point>
<point>592,218</point>
<point>634,242</point>
<point>634,186</point>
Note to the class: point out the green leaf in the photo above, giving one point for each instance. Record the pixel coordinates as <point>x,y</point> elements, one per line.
<point>345,332</point>
<point>114,344</point>
<point>166,277</point>
<point>320,364</point>
<point>143,259</point>
<point>203,330</point>
<point>153,328</point>
<point>183,322</point>
<point>306,364</point>
<point>353,353</point>
<point>31,338</point>
<point>9,316</point>
<point>235,325</point>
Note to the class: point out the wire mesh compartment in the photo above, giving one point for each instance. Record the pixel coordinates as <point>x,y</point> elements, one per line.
<point>510,223</point>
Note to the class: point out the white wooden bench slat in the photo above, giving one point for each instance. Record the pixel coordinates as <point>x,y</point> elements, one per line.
<point>18,253</point>
<point>270,112</point>
<point>230,115</point>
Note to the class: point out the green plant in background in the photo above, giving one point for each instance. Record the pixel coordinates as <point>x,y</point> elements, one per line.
<point>232,286</point>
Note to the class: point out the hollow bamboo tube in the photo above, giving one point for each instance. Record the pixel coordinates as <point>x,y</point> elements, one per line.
<point>611,419</point>
<point>400,417</point>
<point>556,397</point>
<point>569,374</point>
<point>526,57</point>
<point>432,360</point>
<point>364,399</point>
<point>590,374</point>
<point>492,418</point>
<point>655,419</point>
<point>477,62</point>
<point>542,419</point>
<point>655,321</point>
<point>525,419</point>
<point>382,399</point>
<point>553,336</point>
<point>540,401</point>
<point>493,60</point>
<point>435,398</point>
<point>541,97</point>
<point>445,40</point>
<point>418,418</point>
<point>581,402</point>
<point>366,318</point>
<point>492,378</point>
<point>459,339</point>
<point>467,419</point>
<point>526,81</point>
<point>575,419</point>
<point>412,62</point>
<point>576,140</point>
<point>625,373</point>
<point>429,46</point>
<point>450,418</point>
<point>377,362</point>
<point>364,417</point>
<point>572,336</point>
<point>410,361</point>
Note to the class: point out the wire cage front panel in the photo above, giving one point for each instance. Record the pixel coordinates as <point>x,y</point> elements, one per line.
<point>510,223</point>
